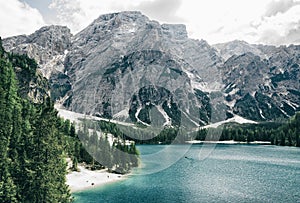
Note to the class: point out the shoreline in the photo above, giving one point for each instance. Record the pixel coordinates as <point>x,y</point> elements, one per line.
<point>86,179</point>
<point>228,142</point>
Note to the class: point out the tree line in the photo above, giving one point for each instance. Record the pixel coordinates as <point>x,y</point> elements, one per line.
<point>32,161</point>
<point>35,141</point>
<point>284,134</point>
<point>107,147</point>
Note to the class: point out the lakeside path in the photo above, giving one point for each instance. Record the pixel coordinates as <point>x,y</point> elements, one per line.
<point>87,179</point>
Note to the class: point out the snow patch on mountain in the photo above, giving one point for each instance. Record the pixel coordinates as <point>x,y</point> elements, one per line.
<point>76,117</point>
<point>236,119</point>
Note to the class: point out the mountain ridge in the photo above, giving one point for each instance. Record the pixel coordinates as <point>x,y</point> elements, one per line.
<point>103,69</point>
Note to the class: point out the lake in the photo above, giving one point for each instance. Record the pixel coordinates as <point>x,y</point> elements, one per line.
<point>206,173</point>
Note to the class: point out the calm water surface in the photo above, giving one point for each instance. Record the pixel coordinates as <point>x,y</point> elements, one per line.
<point>207,173</point>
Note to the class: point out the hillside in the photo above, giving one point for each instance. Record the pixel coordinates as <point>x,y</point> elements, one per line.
<point>126,67</point>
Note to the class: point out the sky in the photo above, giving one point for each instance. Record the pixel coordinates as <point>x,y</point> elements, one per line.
<point>275,22</point>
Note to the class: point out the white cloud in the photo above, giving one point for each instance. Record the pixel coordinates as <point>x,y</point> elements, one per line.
<point>162,10</point>
<point>256,21</point>
<point>282,28</point>
<point>18,18</point>
<point>77,14</point>
<point>221,21</point>
<point>280,6</point>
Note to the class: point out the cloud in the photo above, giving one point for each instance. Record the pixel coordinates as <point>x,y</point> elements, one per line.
<point>220,21</point>
<point>256,21</point>
<point>162,10</point>
<point>273,37</point>
<point>18,18</point>
<point>280,6</point>
<point>68,13</point>
<point>293,36</point>
<point>282,28</point>
<point>245,20</point>
<point>77,14</point>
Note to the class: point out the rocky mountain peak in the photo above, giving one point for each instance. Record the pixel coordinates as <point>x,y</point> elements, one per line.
<point>243,58</point>
<point>55,38</point>
<point>121,15</point>
<point>126,66</point>
<point>176,31</point>
<point>126,22</point>
<point>237,47</point>
<point>47,46</point>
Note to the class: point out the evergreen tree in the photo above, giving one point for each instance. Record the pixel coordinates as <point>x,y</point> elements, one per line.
<point>32,165</point>
<point>49,168</point>
<point>8,96</point>
<point>72,130</point>
<point>8,190</point>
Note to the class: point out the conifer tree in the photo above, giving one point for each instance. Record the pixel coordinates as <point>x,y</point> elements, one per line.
<point>32,165</point>
<point>49,169</point>
<point>8,96</point>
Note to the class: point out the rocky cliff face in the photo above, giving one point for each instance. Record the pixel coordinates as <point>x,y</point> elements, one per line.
<point>48,46</point>
<point>125,66</point>
<point>121,57</point>
<point>237,47</point>
<point>263,87</point>
<point>31,83</point>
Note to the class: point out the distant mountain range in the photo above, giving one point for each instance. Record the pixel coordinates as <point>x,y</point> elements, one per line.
<point>126,67</point>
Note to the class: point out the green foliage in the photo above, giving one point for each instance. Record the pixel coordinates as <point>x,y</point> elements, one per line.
<point>284,134</point>
<point>119,157</point>
<point>1,48</point>
<point>8,193</point>
<point>288,134</point>
<point>24,62</point>
<point>8,101</point>
<point>141,134</point>
<point>32,165</point>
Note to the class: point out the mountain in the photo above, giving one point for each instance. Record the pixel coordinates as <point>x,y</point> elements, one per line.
<point>33,141</point>
<point>237,47</point>
<point>263,88</point>
<point>142,65</point>
<point>30,81</point>
<point>48,47</point>
<point>127,67</point>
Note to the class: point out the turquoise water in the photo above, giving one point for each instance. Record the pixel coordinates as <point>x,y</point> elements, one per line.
<point>207,173</point>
